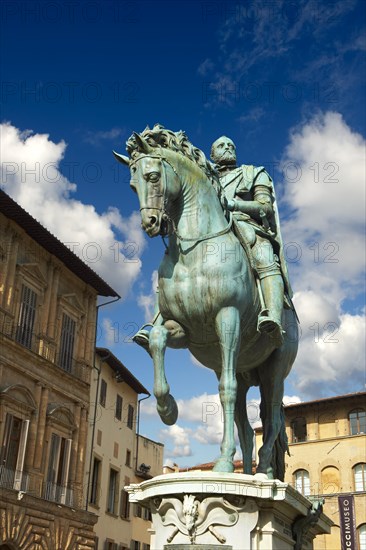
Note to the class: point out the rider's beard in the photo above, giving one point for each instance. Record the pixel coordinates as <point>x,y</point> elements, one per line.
<point>227,158</point>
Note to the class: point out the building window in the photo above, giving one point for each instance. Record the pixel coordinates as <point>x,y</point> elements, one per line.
<point>302,482</point>
<point>27,315</point>
<point>359,472</point>
<point>115,450</point>
<point>125,505</point>
<point>128,458</point>
<point>130,415</point>
<point>146,514</point>
<point>103,393</point>
<point>142,512</point>
<point>95,483</point>
<point>357,422</point>
<point>135,545</point>
<point>110,545</point>
<point>12,454</point>
<point>145,546</point>
<point>118,413</point>
<point>56,487</point>
<point>298,429</point>
<point>112,491</point>
<point>67,343</point>
<point>362,536</point>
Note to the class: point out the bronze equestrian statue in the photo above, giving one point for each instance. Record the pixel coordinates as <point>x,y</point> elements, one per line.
<point>212,298</point>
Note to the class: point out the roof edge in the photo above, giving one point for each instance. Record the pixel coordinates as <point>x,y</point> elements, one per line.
<point>108,357</point>
<point>44,238</point>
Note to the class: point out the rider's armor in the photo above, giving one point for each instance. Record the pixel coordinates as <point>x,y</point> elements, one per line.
<point>247,188</point>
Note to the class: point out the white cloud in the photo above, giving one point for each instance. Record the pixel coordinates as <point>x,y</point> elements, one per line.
<point>148,301</point>
<point>333,360</point>
<point>326,193</point>
<point>291,399</point>
<point>205,67</point>
<point>180,439</point>
<point>257,40</point>
<point>109,332</point>
<point>30,167</point>
<point>97,138</point>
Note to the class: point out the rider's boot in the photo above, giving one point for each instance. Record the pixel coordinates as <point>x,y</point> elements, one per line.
<point>269,320</point>
<point>142,336</point>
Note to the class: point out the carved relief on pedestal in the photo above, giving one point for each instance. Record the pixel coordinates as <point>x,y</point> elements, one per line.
<point>195,515</point>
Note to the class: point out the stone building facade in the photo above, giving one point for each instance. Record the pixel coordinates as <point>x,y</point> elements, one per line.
<point>119,456</point>
<point>327,442</point>
<point>48,299</point>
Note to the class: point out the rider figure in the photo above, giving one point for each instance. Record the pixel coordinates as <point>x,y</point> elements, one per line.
<point>250,196</point>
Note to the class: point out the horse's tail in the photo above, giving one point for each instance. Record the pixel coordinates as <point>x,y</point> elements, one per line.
<point>280,448</point>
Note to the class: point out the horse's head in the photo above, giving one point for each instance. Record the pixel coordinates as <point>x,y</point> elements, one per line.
<point>156,182</point>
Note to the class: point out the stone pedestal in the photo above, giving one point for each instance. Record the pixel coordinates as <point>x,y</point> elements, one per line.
<point>209,511</point>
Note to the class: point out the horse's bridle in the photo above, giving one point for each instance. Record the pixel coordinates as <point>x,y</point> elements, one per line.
<point>162,208</point>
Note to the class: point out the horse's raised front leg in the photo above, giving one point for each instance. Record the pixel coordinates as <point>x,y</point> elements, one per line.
<point>160,337</point>
<point>228,331</point>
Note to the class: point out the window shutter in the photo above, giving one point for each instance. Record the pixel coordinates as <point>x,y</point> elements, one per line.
<point>21,455</point>
<point>103,393</point>
<point>119,404</point>
<point>130,415</point>
<point>53,462</point>
<point>65,470</point>
<point>27,315</point>
<point>359,483</point>
<point>7,432</point>
<point>306,484</point>
<point>67,342</point>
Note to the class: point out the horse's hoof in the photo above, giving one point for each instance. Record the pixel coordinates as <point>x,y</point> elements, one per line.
<point>223,465</point>
<point>169,411</point>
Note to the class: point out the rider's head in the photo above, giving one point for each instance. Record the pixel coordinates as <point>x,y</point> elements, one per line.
<point>223,152</point>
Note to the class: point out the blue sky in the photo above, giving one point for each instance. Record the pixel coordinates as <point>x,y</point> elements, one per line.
<point>285,80</point>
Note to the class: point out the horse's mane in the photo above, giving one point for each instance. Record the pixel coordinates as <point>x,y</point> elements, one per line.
<point>159,136</point>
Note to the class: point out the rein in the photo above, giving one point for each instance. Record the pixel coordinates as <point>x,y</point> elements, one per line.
<point>167,218</point>
<point>205,237</point>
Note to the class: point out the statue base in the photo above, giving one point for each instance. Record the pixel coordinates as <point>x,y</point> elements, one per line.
<point>208,511</point>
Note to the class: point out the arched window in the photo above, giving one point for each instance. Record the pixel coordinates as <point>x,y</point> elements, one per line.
<point>357,422</point>
<point>298,428</point>
<point>362,536</point>
<point>302,482</point>
<point>359,472</point>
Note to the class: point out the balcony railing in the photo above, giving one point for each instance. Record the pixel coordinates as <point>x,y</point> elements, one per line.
<point>58,493</point>
<point>14,479</point>
<point>29,483</point>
